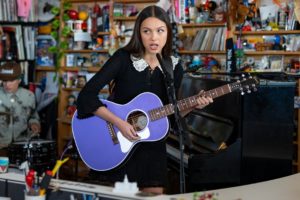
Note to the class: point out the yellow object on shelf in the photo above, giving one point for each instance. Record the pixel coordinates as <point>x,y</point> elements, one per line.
<point>45,29</point>
<point>82,15</point>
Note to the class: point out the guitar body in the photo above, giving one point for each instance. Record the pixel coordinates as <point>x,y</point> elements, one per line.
<point>94,139</point>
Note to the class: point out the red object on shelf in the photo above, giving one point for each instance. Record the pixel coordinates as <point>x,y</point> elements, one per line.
<point>246,28</point>
<point>73,14</point>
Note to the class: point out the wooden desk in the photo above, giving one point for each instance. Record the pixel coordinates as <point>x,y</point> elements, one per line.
<point>69,186</point>
<point>286,188</point>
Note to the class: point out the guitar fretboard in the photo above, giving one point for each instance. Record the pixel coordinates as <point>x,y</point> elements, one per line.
<point>191,102</point>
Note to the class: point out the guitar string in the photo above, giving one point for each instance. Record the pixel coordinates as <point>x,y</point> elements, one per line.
<point>182,103</point>
<point>164,109</point>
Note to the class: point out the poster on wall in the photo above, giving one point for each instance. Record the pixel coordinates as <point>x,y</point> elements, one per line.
<point>44,57</point>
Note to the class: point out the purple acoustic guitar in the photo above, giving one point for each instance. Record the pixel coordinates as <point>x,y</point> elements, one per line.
<point>102,146</point>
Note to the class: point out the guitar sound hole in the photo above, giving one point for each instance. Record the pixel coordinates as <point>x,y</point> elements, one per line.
<point>138,120</point>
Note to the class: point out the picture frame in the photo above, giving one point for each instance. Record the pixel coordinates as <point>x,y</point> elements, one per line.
<point>43,56</point>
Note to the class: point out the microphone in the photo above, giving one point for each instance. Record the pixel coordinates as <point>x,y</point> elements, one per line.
<point>159,58</point>
<point>166,66</point>
<point>160,62</point>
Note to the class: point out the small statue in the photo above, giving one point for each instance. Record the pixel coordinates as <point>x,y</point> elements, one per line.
<point>71,107</point>
<point>81,81</point>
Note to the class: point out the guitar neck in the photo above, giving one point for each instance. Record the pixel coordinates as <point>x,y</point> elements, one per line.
<point>191,102</point>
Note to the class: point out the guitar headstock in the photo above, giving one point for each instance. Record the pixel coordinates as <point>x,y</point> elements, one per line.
<point>245,85</point>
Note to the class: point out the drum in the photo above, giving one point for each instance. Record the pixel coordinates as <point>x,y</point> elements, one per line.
<point>41,154</point>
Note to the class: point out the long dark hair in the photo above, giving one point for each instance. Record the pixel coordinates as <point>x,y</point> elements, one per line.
<point>135,45</point>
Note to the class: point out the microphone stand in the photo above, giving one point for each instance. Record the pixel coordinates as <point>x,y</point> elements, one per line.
<point>169,83</point>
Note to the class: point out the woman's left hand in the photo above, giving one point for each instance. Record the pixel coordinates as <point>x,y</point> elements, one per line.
<point>203,100</point>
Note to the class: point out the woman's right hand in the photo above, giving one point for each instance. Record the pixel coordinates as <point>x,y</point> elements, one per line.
<point>127,130</point>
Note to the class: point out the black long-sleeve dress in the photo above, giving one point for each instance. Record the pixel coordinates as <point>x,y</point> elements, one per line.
<point>132,76</point>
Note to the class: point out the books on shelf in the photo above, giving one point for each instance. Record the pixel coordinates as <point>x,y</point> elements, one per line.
<point>209,39</point>
<point>17,42</point>
<point>29,42</point>
<point>12,43</point>
<point>12,11</point>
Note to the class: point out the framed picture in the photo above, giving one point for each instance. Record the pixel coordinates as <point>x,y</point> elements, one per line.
<point>276,63</point>
<point>44,57</point>
<point>81,81</point>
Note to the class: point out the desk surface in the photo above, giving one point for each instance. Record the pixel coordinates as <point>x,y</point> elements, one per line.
<point>72,187</point>
<point>287,188</point>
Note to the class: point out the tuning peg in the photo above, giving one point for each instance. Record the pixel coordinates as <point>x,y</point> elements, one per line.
<point>248,91</point>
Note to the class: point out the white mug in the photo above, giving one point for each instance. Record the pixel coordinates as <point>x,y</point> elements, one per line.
<point>4,162</point>
<point>75,25</point>
<point>70,24</point>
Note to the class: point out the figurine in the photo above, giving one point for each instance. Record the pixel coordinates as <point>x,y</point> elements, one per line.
<point>71,107</point>
<point>81,81</point>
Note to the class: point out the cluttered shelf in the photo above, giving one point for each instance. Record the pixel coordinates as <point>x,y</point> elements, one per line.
<point>86,1</point>
<point>103,33</point>
<point>18,60</point>
<point>272,52</point>
<point>129,18</point>
<point>77,69</point>
<point>199,25</point>
<point>18,23</point>
<point>200,52</point>
<point>136,1</point>
<point>45,68</point>
<point>86,51</point>
<point>273,32</point>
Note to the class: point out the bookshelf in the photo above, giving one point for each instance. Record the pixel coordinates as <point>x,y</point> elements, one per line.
<point>80,60</point>
<point>17,37</point>
<point>203,37</point>
<point>190,29</point>
<point>289,53</point>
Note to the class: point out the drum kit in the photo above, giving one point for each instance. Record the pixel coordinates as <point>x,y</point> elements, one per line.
<point>40,154</point>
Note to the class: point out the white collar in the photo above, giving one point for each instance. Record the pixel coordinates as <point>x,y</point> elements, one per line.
<point>140,64</point>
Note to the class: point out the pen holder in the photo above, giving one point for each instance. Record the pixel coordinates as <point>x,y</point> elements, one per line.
<point>39,197</point>
<point>4,162</point>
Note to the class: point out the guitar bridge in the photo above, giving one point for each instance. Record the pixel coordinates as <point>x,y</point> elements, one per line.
<point>112,133</point>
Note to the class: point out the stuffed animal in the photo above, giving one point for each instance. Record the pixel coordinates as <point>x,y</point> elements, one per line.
<point>238,11</point>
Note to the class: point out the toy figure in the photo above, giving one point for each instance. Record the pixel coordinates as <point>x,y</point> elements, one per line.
<point>81,80</point>
<point>71,107</point>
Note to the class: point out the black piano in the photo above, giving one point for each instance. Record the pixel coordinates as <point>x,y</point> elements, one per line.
<point>239,139</point>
